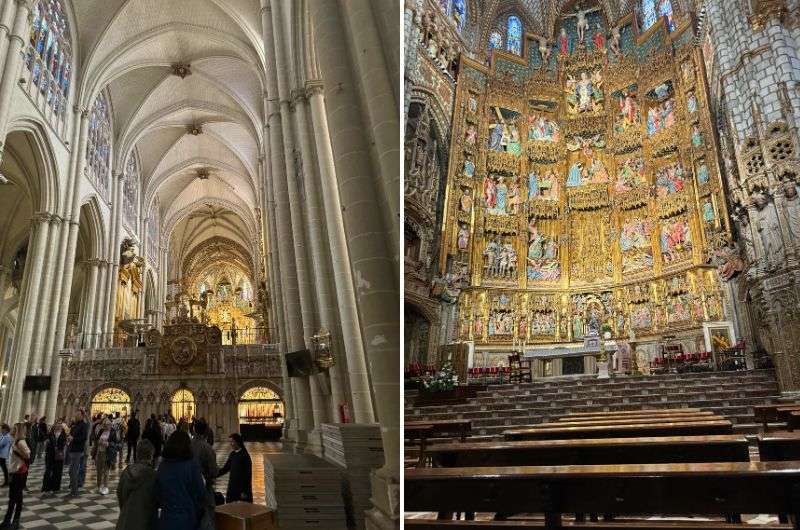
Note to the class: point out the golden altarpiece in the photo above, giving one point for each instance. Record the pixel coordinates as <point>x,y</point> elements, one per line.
<point>584,191</point>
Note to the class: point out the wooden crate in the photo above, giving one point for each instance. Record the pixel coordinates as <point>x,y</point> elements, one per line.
<point>245,516</point>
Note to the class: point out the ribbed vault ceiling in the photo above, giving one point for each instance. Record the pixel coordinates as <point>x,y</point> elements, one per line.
<point>205,183</point>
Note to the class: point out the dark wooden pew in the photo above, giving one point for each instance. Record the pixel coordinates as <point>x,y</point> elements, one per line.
<point>621,421</point>
<point>777,448</point>
<point>634,489</point>
<point>701,414</point>
<point>433,524</point>
<point>699,428</point>
<point>460,428</point>
<point>764,414</point>
<point>623,413</point>
<point>421,433</point>
<point>656,450</point>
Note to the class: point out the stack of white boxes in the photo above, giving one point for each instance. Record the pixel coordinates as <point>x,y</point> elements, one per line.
<point>305,492</point>
<point>358,449</point>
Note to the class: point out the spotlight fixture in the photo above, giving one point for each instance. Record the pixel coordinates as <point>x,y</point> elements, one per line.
<point>203,173</point>
<point>195,130</point>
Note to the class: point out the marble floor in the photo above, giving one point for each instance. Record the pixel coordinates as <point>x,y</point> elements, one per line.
<point>94,511</point>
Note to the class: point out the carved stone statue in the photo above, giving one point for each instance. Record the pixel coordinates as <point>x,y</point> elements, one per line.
<point>544,51</point>
<point>127,253</point>
<point>613,43</point>
<point>792,210</point>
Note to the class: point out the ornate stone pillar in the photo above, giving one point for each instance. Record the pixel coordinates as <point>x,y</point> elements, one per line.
<point>5,279</point>
<point>371,252</point>
<point>13,62</point>
<point>98,337</point>
<point>26,323</point>
<point>360,395</point>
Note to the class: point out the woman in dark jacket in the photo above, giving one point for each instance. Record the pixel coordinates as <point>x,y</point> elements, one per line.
<point>240,483</point>
<point>179,485</point>
<point>54,458</point>
<point>136,493</point>
<point>152,432</point>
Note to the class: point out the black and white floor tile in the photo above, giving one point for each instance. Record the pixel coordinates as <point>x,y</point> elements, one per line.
<point>93,511</point>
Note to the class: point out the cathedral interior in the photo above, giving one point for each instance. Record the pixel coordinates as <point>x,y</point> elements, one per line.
<point>190,190</point>
<point>601,243</point>
<point>624,169</point>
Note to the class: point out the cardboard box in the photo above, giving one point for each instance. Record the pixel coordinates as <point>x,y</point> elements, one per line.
<point>245,516</point>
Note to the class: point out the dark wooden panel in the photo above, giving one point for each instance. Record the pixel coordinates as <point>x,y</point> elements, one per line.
<point>622,431</point>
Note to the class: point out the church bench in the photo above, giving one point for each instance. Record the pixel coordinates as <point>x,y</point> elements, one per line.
<point>460,428</point>
<point>610,420</point>
<point>635,489</point>
<point>621,431</point>
<point>764,414</point>
<point>677,449</point>
<point>634,412</point>
<point>422,433</point>
<point>436,524</point>
<point>777,448</point>
<point>576,416</point>
<point>793,421</point>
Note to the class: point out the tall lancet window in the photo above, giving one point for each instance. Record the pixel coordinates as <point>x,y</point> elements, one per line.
<point>514,39</point>
<point>49,54</point>
<point>98,146</point>
<point>129,194</point>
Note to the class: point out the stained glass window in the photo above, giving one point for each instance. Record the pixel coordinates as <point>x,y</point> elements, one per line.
<point>652,10</point>
<point>98,145</point>
<point>514,39</point>
<point>131,183</point>
<point>495,40</point>
<point>49,56</point>
<point>458,12</point>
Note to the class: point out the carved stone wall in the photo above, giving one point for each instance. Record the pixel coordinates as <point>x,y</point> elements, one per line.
<point>216,393</point>
<point>756,51</point>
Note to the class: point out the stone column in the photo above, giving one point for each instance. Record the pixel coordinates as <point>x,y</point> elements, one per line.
<point>108,324</point>
<point>304,404</point>
<point>89,306</point>
<point>7,16</point>
<point>13,61</point>
<point>324,412</point>
<point>26,321</point>
<point>100,300</point>
<point>360,395</point>
<point>379,104</point>
<point>5,279</point>
<point>292,307</point>
<point>371,252</point>
<point>44,308</point>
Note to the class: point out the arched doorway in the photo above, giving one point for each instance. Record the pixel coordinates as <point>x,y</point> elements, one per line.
<point>261,414</point>
<point>183,405</point>
<point>111,400</point>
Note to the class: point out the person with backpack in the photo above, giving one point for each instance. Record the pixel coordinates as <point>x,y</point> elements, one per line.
<point>19,461</point>
<point>132,437</point>
<point>5,449</point>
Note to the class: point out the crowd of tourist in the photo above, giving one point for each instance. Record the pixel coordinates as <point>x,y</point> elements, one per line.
<point>170,475</point>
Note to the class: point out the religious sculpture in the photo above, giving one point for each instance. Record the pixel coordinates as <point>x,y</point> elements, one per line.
<point>582,23</point>
<point>544,51</point>
<point>585,94</point>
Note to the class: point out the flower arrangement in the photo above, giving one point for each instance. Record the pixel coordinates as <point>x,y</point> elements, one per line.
<point>442,381</point>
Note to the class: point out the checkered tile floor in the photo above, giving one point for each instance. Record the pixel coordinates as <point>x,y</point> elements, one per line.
<point>94,511</point>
